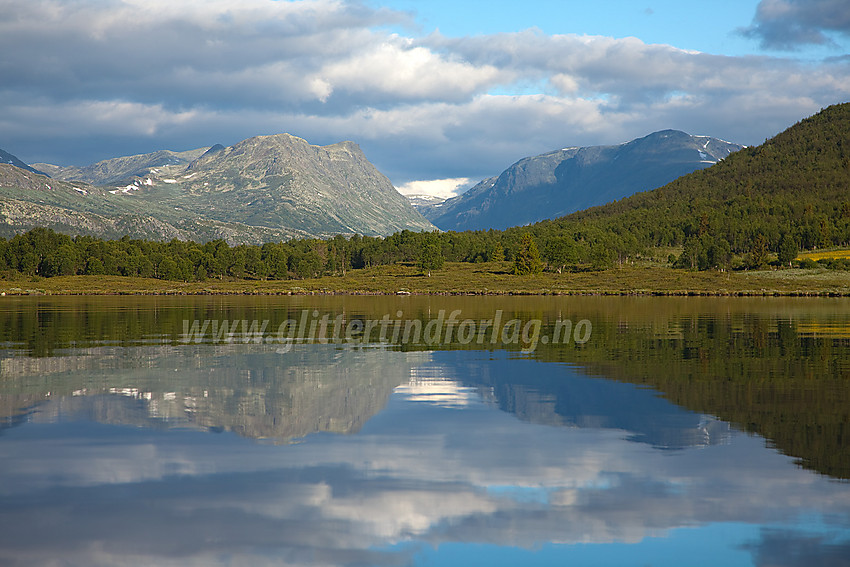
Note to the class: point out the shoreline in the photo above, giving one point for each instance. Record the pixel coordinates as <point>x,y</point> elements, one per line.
<point>458,279</point>
<point>40,292</point>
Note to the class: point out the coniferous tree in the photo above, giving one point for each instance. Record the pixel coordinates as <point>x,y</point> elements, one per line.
<point>527,259</point>
<point>787,249</point>
<point>757,256</point>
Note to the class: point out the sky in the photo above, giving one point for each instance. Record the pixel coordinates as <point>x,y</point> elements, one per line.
<point>438,94</point>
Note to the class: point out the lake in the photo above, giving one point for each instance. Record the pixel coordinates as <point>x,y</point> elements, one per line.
<point>337,430</point>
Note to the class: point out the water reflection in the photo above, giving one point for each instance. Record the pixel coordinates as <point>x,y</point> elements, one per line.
<point>380,456</point>
<point>776,367</point>
<point>549,395</point>
<point>259,393</point>
<point>439,464</point>
<point>248,389</point>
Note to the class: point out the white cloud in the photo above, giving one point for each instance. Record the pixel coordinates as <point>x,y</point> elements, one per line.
<point>88,79</point>
<point>442,188</point>
<point>395,69</point>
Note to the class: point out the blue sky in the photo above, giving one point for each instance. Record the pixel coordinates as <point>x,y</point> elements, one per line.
<point>661,21</point>
<point>432,91</point>
<point>712,27</point>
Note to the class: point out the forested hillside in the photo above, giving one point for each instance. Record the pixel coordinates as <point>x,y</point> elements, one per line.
<point>792,192</point>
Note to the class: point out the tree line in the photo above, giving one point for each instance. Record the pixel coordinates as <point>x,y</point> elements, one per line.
<point>46,253</point>
<point>545,246</point>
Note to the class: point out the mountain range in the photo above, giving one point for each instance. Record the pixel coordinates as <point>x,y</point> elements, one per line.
<point>281,187</point>
<point>266,188</point>
<point>563,181</point>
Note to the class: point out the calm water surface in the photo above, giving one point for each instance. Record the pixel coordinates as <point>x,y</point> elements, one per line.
<point>674,432</point>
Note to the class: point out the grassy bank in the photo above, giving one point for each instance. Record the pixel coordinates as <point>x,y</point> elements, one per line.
<point>824,254</point>
<point>462,278</point>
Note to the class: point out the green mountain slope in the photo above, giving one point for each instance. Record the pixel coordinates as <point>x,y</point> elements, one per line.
<point>29,200</point>
<point>795,187</point>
